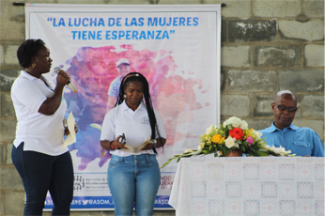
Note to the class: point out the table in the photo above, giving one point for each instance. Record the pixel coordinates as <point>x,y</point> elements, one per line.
<point>250,186</point>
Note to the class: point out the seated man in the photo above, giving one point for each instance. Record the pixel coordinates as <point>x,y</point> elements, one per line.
<point>301,141</point>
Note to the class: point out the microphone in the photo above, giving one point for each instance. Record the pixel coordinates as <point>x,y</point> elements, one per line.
<point>70,85</point>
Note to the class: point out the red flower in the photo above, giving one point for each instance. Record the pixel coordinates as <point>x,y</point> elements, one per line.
<point>237,133</point>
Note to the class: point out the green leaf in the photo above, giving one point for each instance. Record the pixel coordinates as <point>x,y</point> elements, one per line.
<point>168,162</point>
<point>195,151</point>
<point>252,152</point>
<point>205,151</point>
<point>261,153</point>
<point>179,156</point>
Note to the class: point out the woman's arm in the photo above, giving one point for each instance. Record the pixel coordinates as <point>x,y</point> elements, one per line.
<point>107,145</point>
<point>160,142</point>
<point>51,104</point>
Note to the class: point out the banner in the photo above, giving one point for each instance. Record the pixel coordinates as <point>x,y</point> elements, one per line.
<point>176,47</point>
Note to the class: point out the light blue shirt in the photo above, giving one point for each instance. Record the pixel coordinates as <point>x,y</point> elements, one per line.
<point>301,141</point>
<point>114,87</point>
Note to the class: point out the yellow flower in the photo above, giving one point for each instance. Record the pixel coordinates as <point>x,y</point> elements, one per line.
<point>220,152</point>
<point>217,139</point>
<point>206,140</point>
<point>202,145</point>
<point>248,133</point>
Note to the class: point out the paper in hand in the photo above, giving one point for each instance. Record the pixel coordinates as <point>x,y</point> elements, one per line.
<point>71,138</point>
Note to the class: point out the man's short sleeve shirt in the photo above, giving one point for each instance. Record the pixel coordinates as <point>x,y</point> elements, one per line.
<point>301,141</point>
<point>114,87</point>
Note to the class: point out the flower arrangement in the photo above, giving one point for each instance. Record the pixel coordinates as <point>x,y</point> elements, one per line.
<point>232,135</point>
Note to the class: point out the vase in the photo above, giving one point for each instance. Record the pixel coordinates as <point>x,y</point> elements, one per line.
<point>235,154</point>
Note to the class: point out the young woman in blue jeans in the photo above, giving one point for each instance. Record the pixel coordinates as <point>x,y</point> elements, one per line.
<point>133,178</point>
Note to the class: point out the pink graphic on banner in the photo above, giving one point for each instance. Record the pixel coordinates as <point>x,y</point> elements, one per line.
<point>93,70</point>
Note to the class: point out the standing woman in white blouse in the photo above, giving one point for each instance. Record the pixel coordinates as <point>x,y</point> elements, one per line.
<point>36,153</point>
<point>133,178</point>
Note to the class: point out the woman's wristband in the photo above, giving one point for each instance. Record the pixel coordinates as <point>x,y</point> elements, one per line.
<point>154,142</point>
<point>112,147</point>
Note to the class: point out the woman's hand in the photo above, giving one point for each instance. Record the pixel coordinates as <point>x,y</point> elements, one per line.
<point>67,132</point>
<point>117,145</point>
<point>148,145</point>
<point>62,78</point>
<point>51,104</point>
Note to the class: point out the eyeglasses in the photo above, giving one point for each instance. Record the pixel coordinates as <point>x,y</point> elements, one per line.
<point>283,108</point>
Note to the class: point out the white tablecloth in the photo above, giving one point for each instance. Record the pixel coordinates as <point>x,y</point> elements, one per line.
<point>250,186</point>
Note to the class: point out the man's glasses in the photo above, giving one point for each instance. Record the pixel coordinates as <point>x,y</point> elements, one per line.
<point>283,108</point>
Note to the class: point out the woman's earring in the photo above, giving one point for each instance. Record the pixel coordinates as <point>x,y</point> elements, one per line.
<point>33,65</point>
<point>124,96</point>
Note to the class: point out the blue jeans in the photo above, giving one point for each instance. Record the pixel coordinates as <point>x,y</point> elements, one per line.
<point>40,173</point>
<point>134,180</point>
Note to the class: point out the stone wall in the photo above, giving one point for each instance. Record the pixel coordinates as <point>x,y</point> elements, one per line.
<point>267,46</point>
